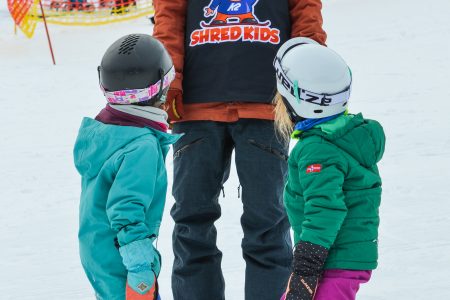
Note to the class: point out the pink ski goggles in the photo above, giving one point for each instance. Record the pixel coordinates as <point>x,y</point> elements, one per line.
<point>139,95</point>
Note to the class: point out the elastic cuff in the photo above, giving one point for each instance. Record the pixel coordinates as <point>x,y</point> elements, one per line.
<point>138,255</point>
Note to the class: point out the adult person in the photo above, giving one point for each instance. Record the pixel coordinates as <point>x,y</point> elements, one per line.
<point>221,100</point>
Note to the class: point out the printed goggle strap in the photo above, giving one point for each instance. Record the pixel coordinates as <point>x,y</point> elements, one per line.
<point>141,95</point>
<point>308,96</point>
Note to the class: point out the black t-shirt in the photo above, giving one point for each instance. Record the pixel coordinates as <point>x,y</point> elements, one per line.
<point>229,53</point>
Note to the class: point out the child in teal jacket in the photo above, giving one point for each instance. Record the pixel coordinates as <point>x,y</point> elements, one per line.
<point>120,156</point>
<point>333,191</point>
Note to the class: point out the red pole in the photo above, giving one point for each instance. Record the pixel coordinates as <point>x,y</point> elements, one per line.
<point>46,30</point>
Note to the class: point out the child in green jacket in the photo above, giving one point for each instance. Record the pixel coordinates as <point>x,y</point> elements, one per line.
<point>333,191</point>
<point>120,156</point>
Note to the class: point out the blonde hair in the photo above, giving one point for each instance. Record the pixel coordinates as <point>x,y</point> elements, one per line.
<point>283,123</point>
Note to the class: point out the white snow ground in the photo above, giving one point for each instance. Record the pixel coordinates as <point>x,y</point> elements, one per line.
<point>399,52</point>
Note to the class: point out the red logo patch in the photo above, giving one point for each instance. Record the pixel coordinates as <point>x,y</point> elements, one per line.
<point>316,168</point>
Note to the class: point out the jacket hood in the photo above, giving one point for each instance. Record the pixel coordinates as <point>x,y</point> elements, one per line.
<point>363,139</point>
<point>97,142</point>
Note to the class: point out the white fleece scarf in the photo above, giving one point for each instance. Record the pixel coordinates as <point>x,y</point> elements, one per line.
<point>147,112</point>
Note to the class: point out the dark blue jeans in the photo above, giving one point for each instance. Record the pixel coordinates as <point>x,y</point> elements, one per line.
<point>202,159</point>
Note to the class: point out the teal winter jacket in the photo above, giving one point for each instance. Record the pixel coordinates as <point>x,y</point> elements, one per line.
<point>123,193</point>
<point>333,192</point>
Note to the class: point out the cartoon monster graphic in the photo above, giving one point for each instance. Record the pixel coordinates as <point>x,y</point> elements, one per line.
<point>232,12</point>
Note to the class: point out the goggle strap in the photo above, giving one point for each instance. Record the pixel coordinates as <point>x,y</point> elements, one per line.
<point>305,95</point>
<point>141,95</point>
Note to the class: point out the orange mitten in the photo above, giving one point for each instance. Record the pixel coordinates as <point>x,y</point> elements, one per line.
<point>151,294</point>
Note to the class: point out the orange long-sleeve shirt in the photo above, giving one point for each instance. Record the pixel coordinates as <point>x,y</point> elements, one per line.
<point>170,29</point>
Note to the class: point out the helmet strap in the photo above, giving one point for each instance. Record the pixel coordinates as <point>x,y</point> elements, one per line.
<point>98,71</point>
<point>291,112</point>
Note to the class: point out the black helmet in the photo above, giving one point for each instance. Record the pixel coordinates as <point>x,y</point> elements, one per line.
<point>135,61</point>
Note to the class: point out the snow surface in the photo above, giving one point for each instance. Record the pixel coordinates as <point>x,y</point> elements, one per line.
<point>399,52</point>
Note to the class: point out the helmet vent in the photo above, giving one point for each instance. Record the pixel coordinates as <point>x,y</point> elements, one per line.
<point>128,44</point>
<point>318,111</point>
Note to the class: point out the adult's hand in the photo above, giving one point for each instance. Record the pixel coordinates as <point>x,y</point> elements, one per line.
<point>174,104</point>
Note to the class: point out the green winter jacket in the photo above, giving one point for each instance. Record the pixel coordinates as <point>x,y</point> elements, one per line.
<point>333,191</point>
<point>123,192</point>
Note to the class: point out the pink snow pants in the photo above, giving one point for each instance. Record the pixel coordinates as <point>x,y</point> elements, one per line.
<point>340,284</point>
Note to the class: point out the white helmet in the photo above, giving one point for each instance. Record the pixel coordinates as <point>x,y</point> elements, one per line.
<point>313,80</point>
